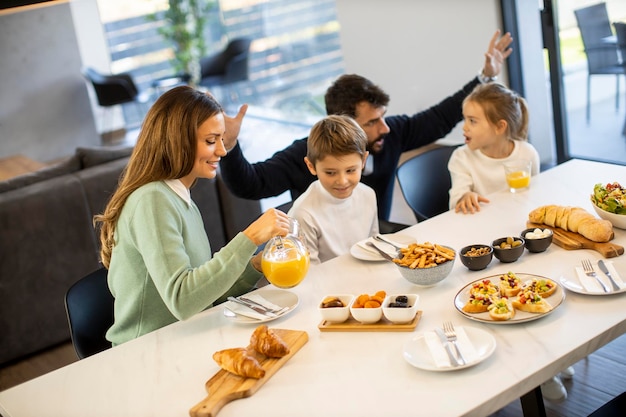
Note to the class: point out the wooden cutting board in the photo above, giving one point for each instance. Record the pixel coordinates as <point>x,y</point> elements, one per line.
<point>225,387</point>
<point>570,241</point>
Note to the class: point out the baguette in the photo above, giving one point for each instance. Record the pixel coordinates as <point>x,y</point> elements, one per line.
<point>477,303</point>
<point>573,219</point>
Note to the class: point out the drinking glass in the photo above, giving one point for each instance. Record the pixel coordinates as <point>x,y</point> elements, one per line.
<point>518,175</point>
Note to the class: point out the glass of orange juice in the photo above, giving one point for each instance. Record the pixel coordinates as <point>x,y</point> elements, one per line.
<point>285,260</point>
<point>518,175</point>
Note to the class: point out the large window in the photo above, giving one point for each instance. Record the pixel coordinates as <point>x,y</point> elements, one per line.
<point>295,53</point>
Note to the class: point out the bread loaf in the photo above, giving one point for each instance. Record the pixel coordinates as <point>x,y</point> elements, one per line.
<point>573,219</point>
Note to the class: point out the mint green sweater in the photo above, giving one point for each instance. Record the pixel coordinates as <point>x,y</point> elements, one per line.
<point>161,268</point>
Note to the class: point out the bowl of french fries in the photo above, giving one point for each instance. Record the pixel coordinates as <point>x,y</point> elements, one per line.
<point>425,264</point>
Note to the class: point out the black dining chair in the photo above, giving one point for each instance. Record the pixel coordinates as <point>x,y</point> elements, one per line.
<point>227,67</point>
<point>425,182</point>
<point>620,34</point>
<point>89,308</point>
<point>614,408</point>
<point>602,56</point>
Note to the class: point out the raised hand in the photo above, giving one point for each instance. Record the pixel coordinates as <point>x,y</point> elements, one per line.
<point>233,126</point>
<point>497,52</point>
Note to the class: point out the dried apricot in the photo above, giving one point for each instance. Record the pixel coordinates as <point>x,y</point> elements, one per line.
<point>372,304</point>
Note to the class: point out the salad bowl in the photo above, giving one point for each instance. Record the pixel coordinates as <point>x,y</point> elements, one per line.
<point>609,203</point>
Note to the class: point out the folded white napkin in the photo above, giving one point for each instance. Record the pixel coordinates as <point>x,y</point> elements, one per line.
<point>438,352</point>
<point>591,285</point>
<point>247,312</point>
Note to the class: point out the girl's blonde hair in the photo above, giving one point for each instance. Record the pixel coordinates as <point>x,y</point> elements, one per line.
<point>501,103</point>
<point>166,149</point>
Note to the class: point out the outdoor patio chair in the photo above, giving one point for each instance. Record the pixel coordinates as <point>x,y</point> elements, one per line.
<point>602,57</point>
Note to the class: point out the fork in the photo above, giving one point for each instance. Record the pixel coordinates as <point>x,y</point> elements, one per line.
<point>448,330</point>
<point>588,268</point>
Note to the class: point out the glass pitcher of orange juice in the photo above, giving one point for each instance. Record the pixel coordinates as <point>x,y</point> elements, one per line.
<point>285,260</point>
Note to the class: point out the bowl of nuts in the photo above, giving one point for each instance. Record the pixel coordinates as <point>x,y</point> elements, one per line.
<point>508,249</point>
<point>476,257</point>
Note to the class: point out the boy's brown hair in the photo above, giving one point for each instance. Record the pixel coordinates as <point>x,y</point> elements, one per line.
<point>335,135</point>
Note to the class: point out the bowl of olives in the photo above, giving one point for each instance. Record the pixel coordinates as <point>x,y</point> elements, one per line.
<point>508,249</point>
<point>336,308</point>
<point>400,308</point>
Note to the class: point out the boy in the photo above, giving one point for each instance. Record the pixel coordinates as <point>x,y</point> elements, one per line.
<point>337,210</point>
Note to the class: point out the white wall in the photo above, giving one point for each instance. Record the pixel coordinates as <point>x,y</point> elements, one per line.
<point>44,106</point>
<point>420,51</point>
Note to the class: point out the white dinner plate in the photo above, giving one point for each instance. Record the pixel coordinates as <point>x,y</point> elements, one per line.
<point>555,301</point>
<point>359,251</point>
<point>416,350</point>
<point>577,287</point>
<point>282,298</point>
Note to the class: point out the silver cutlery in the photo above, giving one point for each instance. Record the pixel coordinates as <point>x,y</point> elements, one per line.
<point>252,307</point>
<point>446,345</point>
<point>382,252</point>
<point>588,268</point>
<point>272,310</point>
<point>380,238</point>
<point>604,269</point>
<point>448,330</point>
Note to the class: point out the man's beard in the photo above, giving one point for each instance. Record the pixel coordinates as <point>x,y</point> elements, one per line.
<point>374,147</point>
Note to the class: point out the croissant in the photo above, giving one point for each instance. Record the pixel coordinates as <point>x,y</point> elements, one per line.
<point>265,341</point>
<point>239,362</point>
<point>573,219</point>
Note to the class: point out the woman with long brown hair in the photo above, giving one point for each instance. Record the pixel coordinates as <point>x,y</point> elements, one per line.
<point>152,235</point>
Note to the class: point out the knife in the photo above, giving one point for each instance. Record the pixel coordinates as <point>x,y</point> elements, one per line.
<point>604,269</point>
<point>382,252</point>
<point>252,307</point>
<point>446,345</point>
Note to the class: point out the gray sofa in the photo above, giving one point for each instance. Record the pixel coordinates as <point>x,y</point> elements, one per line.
<point>48,242</point>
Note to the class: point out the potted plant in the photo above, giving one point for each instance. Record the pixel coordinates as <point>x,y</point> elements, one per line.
<point>184,29</point>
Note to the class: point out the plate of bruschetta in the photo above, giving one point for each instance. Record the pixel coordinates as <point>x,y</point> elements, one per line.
<point>509,298</point>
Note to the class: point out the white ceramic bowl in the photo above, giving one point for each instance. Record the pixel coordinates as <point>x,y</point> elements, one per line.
<point>366,315</point>
<point>618,220</point>
<point>400,315</point>
<point>336,314</point>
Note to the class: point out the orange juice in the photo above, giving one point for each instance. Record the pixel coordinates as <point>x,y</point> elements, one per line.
<point>287,273</point>
<point>518,179</point>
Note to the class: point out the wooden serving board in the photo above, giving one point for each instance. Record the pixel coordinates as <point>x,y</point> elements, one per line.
<point>570,241</point>
<point>384,325</point>
<point>225,387</point>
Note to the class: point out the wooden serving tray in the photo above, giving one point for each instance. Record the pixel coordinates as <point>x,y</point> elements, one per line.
<point>384,325</point>
<point>571,241</point>
<point>225,387</point>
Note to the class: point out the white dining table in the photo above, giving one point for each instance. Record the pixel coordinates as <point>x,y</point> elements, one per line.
<point>364,373</point>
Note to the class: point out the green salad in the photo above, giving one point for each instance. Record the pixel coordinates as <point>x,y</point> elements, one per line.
<point>610,197</point>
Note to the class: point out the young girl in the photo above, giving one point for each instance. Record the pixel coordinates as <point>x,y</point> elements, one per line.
<point>152,235</point>
<point>495,130</point>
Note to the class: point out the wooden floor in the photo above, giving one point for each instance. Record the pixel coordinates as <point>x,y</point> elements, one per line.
<point>599,377</point>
